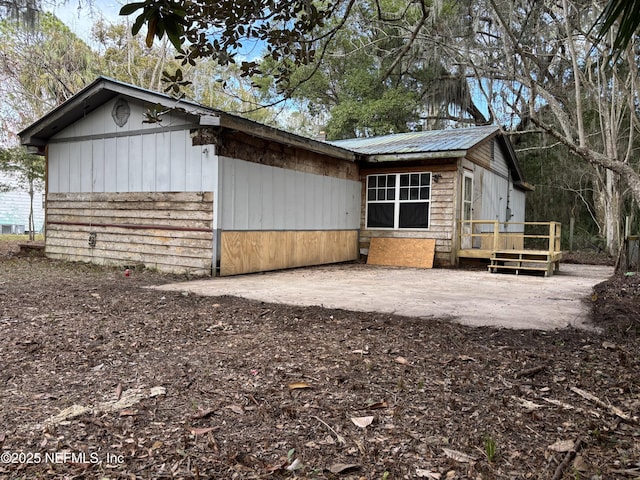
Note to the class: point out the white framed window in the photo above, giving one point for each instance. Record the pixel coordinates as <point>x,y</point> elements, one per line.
<point>399,200</point>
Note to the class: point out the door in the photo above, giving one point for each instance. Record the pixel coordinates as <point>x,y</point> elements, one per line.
<point>466,240</point>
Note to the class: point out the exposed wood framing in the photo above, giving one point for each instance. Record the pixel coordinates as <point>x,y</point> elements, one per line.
<point>252,149</point>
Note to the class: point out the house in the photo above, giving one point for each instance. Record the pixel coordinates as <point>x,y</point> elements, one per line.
<point>15,205</point>
<point>205,192</point>
<point>432,184</point>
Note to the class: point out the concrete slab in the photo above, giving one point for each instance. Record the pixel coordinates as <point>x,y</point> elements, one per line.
<point>471,297</point>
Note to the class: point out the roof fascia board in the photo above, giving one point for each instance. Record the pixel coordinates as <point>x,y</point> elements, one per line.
<point>399,157</point>
<point>27,135</point>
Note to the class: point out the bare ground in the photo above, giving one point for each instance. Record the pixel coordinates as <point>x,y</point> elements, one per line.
<point>167,385</point>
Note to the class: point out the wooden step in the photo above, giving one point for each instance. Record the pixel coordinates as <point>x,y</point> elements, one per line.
<point>517,261</point>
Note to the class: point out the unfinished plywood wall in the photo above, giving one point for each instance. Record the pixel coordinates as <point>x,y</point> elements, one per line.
<point>246,252</point>
<point>168,231</point>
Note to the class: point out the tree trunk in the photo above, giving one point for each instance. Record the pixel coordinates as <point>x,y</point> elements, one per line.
<point>32,225</point>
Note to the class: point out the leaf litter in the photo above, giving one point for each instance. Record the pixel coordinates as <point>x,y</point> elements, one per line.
<point>219,403</point>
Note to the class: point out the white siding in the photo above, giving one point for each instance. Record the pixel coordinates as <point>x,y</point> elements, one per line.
<point>95,155</point>
<point>261,197</point>
<point>499,161</point>
<point>496,195</point>
<point>494,191</point>
<point>14,208</point>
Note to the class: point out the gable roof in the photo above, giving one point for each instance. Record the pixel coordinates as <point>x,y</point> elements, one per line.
<point>433,144</point>
<point>104,89</point>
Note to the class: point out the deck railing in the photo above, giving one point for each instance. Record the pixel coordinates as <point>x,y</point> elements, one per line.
<point>492,235</point>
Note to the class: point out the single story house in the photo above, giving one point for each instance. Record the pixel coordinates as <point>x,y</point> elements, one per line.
<point>192,189</point>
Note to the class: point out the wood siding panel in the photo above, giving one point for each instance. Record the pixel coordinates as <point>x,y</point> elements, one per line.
<point>178,160</point>
<point>442,213</point>
<point>482,154</point>
<point>171,232</point>
<point>110,166</point>
<point>98,174</point>
<point>247,252</point>
<point>499,164</point>
<point>95,155</point>
<point>149,143</point>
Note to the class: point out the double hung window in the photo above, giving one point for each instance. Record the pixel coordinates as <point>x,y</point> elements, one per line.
<point>398,200</point>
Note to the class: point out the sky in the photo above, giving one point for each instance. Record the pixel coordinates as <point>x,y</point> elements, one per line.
<point>80,15</point>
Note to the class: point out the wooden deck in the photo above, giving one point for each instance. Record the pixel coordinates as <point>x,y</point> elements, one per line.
<point>512,247</point>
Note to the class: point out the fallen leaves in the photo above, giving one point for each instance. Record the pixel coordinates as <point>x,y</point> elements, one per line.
<point>401,360</point>
<point>458,456</point>
<point>298,385</point>
<point>377,405</point>
<point>127,399</point>
<point>201,431</point>
<point>362,422</point>
<point>562,446</point>
<point>338,468</point>
<point>236,409</point>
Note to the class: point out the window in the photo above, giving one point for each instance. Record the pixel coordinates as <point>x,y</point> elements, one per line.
<point>398,200</point>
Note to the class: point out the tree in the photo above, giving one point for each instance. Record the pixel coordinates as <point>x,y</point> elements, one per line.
<point>28,170</point>
<point>40,68</point>
<point>25,11</point>
<point>625,13</point>
<point>556,79</point>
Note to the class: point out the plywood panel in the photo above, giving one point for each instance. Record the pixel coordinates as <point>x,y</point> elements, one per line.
<point>402,252</point>
<point>255,251</point>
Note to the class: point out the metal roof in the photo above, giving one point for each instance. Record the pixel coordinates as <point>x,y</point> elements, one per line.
<point>459,139</point>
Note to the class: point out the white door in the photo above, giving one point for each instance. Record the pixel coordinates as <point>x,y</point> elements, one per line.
<point>466,240</point>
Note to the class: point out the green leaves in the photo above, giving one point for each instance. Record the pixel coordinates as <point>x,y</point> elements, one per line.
<point>218,29</point>
<point>161,17</point>
<point>174,82</point>
<point>626,13</point>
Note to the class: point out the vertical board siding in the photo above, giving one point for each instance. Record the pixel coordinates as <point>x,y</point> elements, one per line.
<point>494,191</point>
<point>85,158</point>
<point>167,231</point>
<point>499,164</point>
<point>295,200</point>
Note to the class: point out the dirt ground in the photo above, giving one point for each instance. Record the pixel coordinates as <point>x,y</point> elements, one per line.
<point>102,378</point>
<point>468,296</point>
